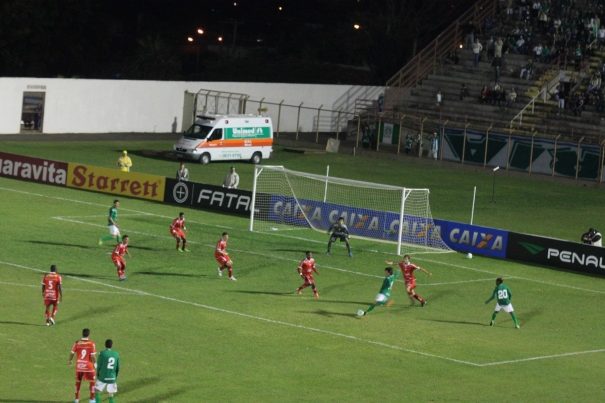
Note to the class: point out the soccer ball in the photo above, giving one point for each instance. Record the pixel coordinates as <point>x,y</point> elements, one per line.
<point>469,255</point>
<point>360,312</point>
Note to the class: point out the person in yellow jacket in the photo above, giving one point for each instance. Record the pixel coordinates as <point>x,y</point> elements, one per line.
<point>124,162</point>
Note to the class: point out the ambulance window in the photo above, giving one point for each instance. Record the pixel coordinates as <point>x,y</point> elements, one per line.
<point>217,134</point>
<point>198,131</point>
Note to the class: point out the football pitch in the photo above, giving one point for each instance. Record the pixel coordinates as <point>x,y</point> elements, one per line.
<point>185,334</point>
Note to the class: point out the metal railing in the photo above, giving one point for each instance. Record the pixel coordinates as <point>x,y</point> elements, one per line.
<point>423,63</point>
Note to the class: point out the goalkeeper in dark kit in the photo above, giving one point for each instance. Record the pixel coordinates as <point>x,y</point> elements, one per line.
<point>339,230</point>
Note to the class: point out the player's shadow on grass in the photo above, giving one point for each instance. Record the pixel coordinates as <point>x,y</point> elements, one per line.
<point>9,322</point>
<point>164,273</point>
<point>264,292</point>
<point>141,247</point>
<point>330,314</point>
<point>163,397</point>
<point>527,316</point>
<point>72,245</point>
<point>458,322</point>
<point>88,313</point>
<point>139,383</point>
<point>83,275</point>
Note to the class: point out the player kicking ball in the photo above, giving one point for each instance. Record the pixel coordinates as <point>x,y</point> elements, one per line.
<point>305,269</point>
<point>222,257</point>
<point>52,293</point>
<point>112,224</point>
<point>408,269</point>
<point>503,296</point>
<point>177,230</point>
<point>384,295</point>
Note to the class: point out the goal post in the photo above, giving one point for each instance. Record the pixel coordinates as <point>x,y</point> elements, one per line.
<point>288,200</point>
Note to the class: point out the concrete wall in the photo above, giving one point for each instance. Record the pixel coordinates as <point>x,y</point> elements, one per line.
<point>100,106</point>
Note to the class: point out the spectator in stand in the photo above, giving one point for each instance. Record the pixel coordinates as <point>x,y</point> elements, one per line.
<point>489,46</point>
<point>601,36</point>
<point>463,92</point>
<point>578,104</point>
<point>497,64</point>
<point>497,94</point>
<point>511,97</point>
<point>439,97</point>
<point>519,45</point>
<point>469,34</point>
<point>477,49</point>
<point>595,82</point>
<point>484,96</point>
<point>538,49</point>
<point>578,56</point>
<point>498,44</point>
<point>560,96</point>
<point>528,70</point>
<point>408,143</point>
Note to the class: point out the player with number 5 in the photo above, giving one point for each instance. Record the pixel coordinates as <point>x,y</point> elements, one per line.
<point>503,296</point>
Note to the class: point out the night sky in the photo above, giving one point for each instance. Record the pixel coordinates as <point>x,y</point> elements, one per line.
<point>267,40</point>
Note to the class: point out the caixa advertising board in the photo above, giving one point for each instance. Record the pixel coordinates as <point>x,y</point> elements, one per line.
<point>476,239</point>
<point>208,197</point>
<point>556,253</point>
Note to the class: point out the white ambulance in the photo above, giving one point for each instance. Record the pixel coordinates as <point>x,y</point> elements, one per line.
<point>227,137</point>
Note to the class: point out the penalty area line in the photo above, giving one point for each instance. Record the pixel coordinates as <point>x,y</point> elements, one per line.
<point>68,289</point>
<point>259,318</point>
<point>542,357</point>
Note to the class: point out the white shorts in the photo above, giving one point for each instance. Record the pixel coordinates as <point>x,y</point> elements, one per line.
<point>113,230</point>
<point>111,387</point>
<point>507,308</point>
<point>380,298</point>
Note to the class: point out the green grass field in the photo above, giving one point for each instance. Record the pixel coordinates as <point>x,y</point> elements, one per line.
<point>186,335</point>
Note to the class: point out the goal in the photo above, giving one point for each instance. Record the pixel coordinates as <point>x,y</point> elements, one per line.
<point>285,200</point>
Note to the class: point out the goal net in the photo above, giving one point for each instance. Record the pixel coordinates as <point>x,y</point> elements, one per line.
<point>287,200</point>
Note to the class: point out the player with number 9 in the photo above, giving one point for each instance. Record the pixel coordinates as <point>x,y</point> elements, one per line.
<point>85,351</point>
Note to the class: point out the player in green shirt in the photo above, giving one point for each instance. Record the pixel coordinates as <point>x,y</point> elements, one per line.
<point>503,295</point>
<point>108,367</point>
<point>112,222</point>
<point>385,291</point>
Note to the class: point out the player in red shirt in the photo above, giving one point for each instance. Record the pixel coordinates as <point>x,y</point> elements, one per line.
<point>305,269</point>
<point>222,257</point>
<point>85,351</point>
<point>52,293</point>
<point>177,230</point>
<point>117,256</point>
<point>408,268</point>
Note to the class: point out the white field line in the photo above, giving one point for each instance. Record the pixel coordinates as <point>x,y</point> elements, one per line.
<point>542,357</point>
<point>519,278</point>
<point>65,218</point>
<point>254,317</point>
<point>67,288</point>
<point>334,268</point>
<point>319,330</point>
<point>104,205</point>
